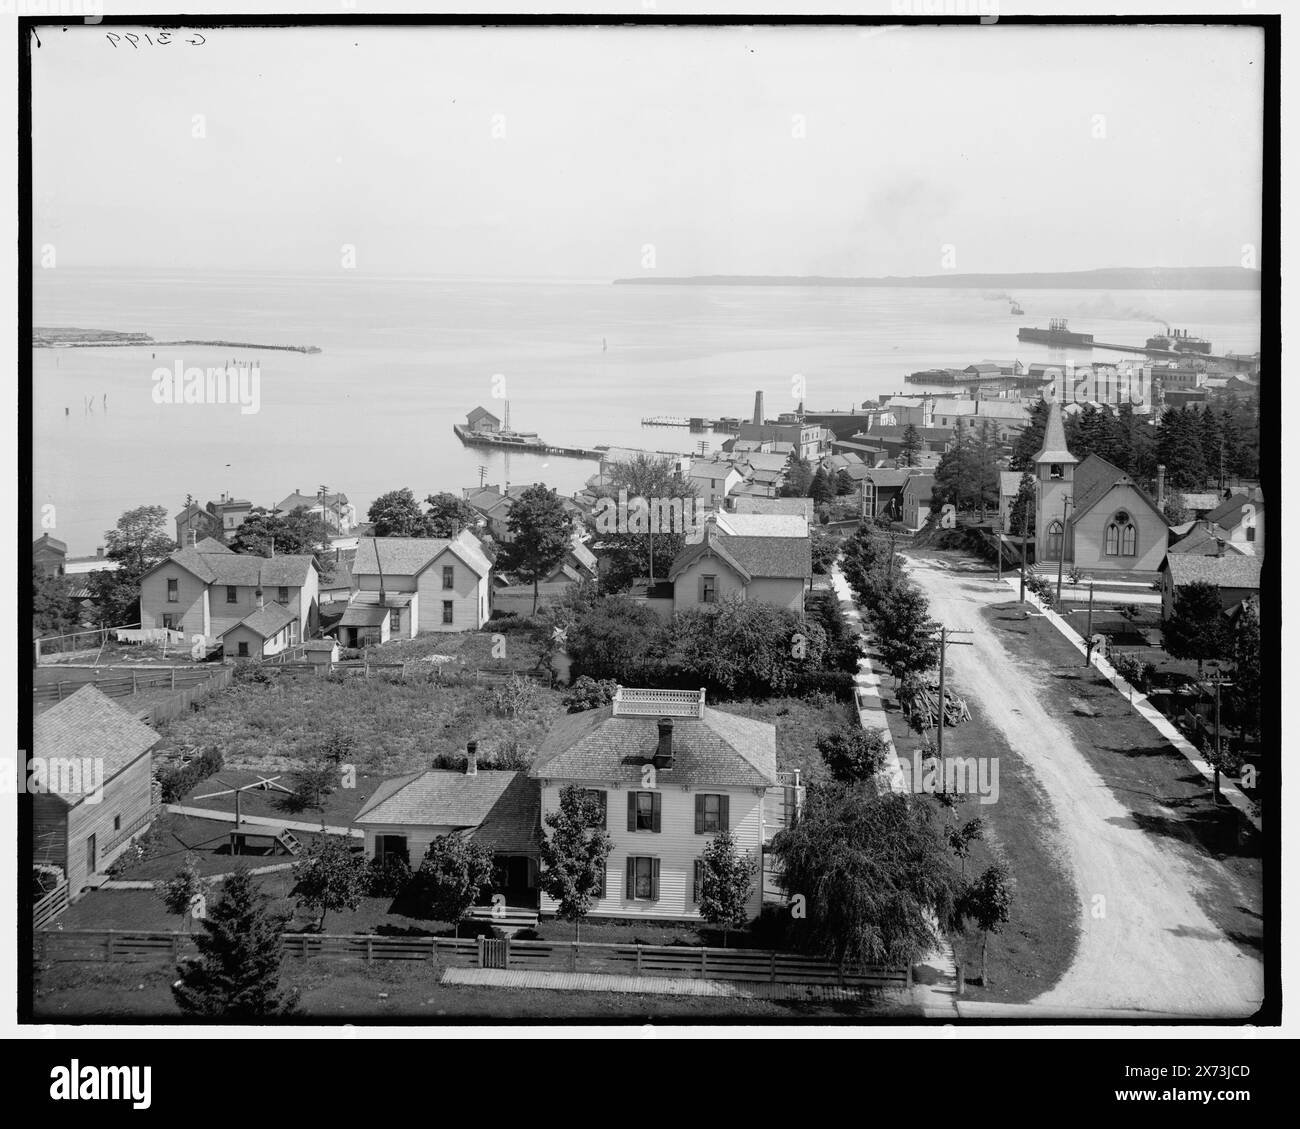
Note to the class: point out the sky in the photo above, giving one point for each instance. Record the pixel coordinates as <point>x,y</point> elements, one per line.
<point>620,152</point>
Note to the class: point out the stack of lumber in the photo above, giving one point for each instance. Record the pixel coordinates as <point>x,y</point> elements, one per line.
<point>920,705</point>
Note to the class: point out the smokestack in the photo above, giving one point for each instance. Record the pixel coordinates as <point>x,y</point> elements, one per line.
<point>471,759</point>
<point>664,753</point>
<point>1160,487</point>
<point>758,408</point>
<point>99,551</point>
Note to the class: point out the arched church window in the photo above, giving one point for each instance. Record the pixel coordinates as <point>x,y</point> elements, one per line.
<point>1121,536</point>
<point>1055,535</point>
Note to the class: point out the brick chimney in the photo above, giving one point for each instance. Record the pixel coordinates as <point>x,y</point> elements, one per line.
<point>471,759</point>
<point>664,753</point>
<point>1160,487</point>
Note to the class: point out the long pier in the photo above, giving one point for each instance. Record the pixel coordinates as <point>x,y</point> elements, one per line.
<point>471,439</point>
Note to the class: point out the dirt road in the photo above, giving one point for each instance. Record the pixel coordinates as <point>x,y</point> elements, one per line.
<point>1145,944</point>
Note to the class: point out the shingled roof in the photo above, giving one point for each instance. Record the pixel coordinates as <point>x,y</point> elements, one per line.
<point>764,557</point>
<point>266,621</point>
<point>1223,572</point>
<point>1094,479</point>
<point>502,808</point>
<point>218,565</point>
<point>89,726</point>
<point>409,556</point>
<point>1228,512</point>
<point>719,748</point>
<point>1054,449</point>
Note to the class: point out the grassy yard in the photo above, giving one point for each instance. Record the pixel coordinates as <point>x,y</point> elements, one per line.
<point>1036,946</point>
<point>799,722</point>
<point>338,809</point>
<point>395,725</point>
<point>334,990</point>
<point>1164,794</point>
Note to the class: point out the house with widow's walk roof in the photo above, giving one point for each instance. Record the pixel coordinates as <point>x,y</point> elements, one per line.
<point>1092,511</point>
<point>670,772</point>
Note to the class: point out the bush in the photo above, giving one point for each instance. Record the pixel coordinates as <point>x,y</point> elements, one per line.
<point>1044,589</point>
<point>853,755</point>
<point>132,855</point>
<point>510,756</point>
<point>388,877</point>
<point>1136,673</point>
<point>588,693</point>
<point>250,673</point>
<point>176,781</point>
<point>837,683</point>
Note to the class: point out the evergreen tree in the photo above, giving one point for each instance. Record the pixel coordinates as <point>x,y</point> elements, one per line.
<point>798,479</point>
<point>1212,446</point>
<point>1030,440</point>
<point>1247,669</point>
<point>53,610</point>
<point>1178,447</point>
<point>821,490</point>
<point>911,447</point>
<point>1023,510</point>
<point>236,977</point>
<point>1196,628</point>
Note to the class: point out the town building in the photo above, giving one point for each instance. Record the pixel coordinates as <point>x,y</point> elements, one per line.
<point>1241,517</point>
<point>670,772</point>
<point>96,792</point>
<point>49,555</point>
<point>773,570</point>
<point>917,493</point>
<point>1092,512</point>
<point>495,809</point>
<point>1236,577</point>
<point>420,584</point>
<point>333,510</point>
<point>206,589</point>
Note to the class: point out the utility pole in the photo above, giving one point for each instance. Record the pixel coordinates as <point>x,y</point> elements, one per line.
<point>1024,550</point>
<point>944,633</point>
<point>1060,561</point>
<point>1087,661</point>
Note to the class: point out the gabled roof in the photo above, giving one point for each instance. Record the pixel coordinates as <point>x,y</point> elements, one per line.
<point>481,413</point>
<point>45,541</point>
<point>884,479</point>
<point>438,797</point>
<point>764,557</point>
<point>1201,538</point>
<point>89,725</point>
<point>1223,572</point>
<point>409,556</point>
<point>211,545</point>
<point>720,749</point>
<point>1094,479</point>
<point>364,615</point>
<point>1229,512</point>
<point>919,485</point>
<point>1054,449</point>
<point>266,621</point>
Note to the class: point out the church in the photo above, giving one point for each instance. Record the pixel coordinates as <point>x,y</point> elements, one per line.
<point>1092,511</point>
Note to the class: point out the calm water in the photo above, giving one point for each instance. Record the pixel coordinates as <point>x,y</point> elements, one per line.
<point>405,358</point>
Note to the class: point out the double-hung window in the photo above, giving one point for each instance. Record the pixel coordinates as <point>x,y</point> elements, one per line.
<point>711,813</point>
<point>642,878</point>
<point>644,811</point>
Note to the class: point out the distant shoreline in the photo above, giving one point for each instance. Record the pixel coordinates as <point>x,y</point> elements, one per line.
<point>61,338</point>
<point>1107,278</point>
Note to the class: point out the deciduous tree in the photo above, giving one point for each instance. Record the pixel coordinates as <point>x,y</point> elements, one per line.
<point>574,852</point>
<point>540,531</point>
<point>330,876</point>
<point>726,883</point>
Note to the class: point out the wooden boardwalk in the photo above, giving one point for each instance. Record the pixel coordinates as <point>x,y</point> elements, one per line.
<point>654,985</point>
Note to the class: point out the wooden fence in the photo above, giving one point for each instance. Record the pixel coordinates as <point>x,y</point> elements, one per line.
<point>50,906</point>
<point>680,961</point>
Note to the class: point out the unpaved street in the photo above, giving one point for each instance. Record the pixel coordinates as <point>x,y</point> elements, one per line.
<point>1148,946</point>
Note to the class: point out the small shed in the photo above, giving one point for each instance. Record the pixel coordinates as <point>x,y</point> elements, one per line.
<point>265,632</point>
<point>321,652</point>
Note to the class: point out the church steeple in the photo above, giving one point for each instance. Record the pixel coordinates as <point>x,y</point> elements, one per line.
<point>1054,449</point>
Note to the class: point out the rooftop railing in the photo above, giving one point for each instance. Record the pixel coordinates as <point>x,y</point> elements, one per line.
<point>630,702</point>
